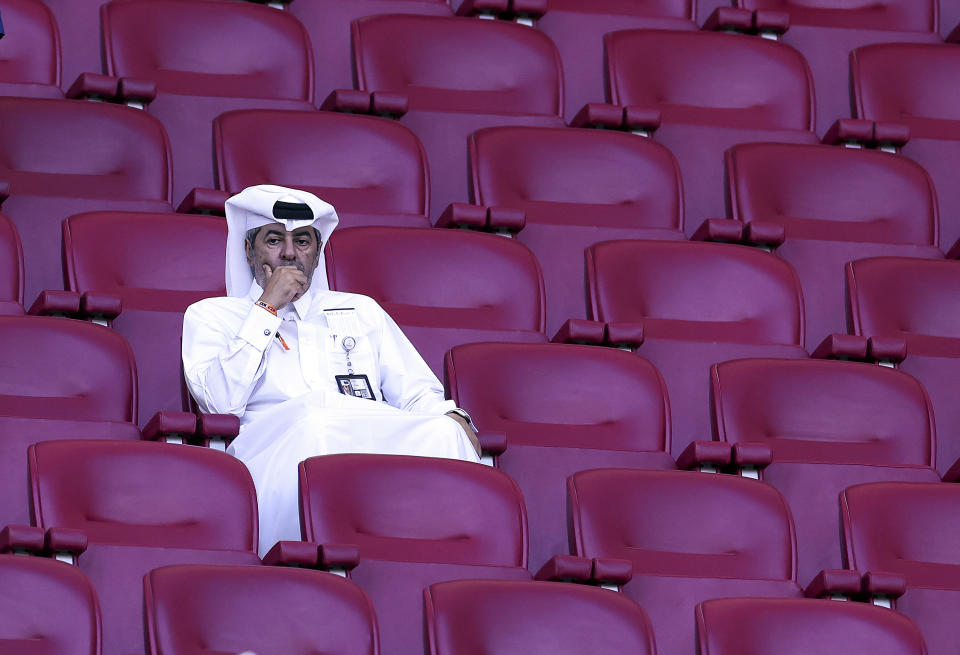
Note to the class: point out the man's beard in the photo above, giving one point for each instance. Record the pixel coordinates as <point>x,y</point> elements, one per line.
<point>261,277</point>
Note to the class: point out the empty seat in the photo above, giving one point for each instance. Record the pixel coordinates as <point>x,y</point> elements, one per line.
<point>745,626</point>
<point>914,85</point>
<point>158,265</point>
<point>30,58</point>
<point>63,158</point>
<point>62,379</point>
<point>533,617</point>
<point>910,529</point>
<point>691,305</point>
<point>576,187</point>
<point>11,269</point>
<point>458,76</point>
<point>233,609</point>
<point>443,287</point>
<point>563,409</point>
<point>826,32</point>
<point>689,536</point>
<point>207,57</point>
<point>915,300</point>
<point>47,607</point>
<point>414,521</point>
<point>712,90</point>
<point>79,22</point>
<point>835,205</point>
<point>373,170</point>
<point>828,425</point>
<point>142,505</point>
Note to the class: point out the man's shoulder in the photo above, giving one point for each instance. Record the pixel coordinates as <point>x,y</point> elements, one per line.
<point>221,306</point>
<point>346,300</point>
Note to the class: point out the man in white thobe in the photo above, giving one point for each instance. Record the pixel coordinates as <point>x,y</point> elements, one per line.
<point>309,371</point>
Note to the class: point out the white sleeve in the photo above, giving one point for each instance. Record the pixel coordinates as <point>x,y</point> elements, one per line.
<point>222,364</point>
<point>405,379</point>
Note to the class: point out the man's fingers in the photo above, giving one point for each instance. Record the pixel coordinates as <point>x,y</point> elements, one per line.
<point>267,271</point>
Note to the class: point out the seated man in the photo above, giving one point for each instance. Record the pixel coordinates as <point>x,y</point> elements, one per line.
<point>309,371</point>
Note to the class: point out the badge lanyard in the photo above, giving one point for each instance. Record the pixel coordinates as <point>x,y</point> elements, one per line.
<point>348,343</point>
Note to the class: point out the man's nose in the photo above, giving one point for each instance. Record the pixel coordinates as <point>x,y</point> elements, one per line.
<point>288,252</point>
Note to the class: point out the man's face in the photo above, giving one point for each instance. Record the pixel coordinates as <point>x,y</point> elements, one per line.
<point>276,247</point>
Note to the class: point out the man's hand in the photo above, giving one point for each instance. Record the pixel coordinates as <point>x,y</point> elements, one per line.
<point>284,285</point>
<point>471,433</point>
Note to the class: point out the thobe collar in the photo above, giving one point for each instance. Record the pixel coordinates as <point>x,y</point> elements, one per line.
<point>300,306</point>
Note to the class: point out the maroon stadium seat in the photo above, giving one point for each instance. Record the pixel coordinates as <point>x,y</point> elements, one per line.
<point>576,187</point>
<point>373,170</point>
<point>30,57</point>
<point>232,609</point>
<point>443,287</point>
<point>458,76</point>
<point>712,90</point>
<point>207,57</point>
<point>692,305</point>
<point>828,425</point>
<point>835,205</point>
<point>157,264</point>
<point>537,618</point>
<point>142,505</point>
<point>11,269</point>
<point>63,158</point>
<point>79,22</point>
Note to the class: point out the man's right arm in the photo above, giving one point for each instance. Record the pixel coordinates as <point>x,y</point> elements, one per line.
<point>222,362</point>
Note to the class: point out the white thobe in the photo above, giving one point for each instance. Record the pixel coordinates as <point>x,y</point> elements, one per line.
<point>289,405</point>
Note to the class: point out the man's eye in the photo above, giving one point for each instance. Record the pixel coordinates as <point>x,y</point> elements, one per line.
<point>303,243</point>
<point>273,242</point>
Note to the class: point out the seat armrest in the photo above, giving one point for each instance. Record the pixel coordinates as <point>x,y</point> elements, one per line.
<point>611,572</point>
<point>136,92</point>
<point>886,350</point>
<point>340,557</point>
<point>882,587</point>
<point>580,330</point>
<point>485,8</point>
<point>94,86</point>
<point>22,539</point>
<point>351,101</point>
<point>705,455</point>
<point>464,216</point>
<point>890,136</point>
<point>842,346</point>
<point>56,303</point>
<point>4,190</point>
<point>751,457</point>
<point>770,23</point>
<point>172,427</point>
<point>953,473</point>
<point>623,335</point>
<point>561,568</point>
<point>763,234</point>
<point>293,553</point>
<point>526,11</point>
<point>389,105</point>
<point>729,19</point>
<point>64,544</point>
<point>719,230</point>
<point>493,443</point>
<point>641,120</point>
<point>100,307</point>
<point>204,201</point>
<point>954,36</point>
<point>599,115</point>
<point>831,583</point>
<point>217,431</point>
<point>855,132</point>
<point>505,220</point>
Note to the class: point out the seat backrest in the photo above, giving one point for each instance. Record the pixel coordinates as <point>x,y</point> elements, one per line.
<point>826,412</point>
<point>231,609</point>
<point>88,150</point>
<point>153,261</point>
<point>652,8</point>
<point>209,48</point>
<point>679,523</point>
<point>561,395</point>
<point>64,369</point>
<point>356,163</point>
<point>900,15</point>
<point>795,626</point>
<point>442,278</point>
<point>450,64</point>
<point>834,194</point>
<point>908,83</point>
<point>908,528</point>
<point>695,291</point>
<point>47,606</point>
<point>613,178</point>
<point>11,265</point>
<point>710,78</point>
<point>533,617</point>
<point>902,296</point>
<point>414,509</point>
<point>31,47</point>
<point>144,494</point>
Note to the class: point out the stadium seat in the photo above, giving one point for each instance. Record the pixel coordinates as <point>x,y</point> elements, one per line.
<point>62,158</point>
<point>826,425</point>
<point>11,269</point>
<point>914,85</point>
<point>443,287</point>
<point>47,607</point>
<point>916,300</point>
<point>414,521</point>
<point>30,57</point>
<point>711,91</point>
<point>456,76</point>
<point>563,409</point>
<point>157,265</point>
<point>745,626</point>
<point>825,33</point>
<point>690,537</point>
<point>910,530</point>
<point>373,170</point>
<point>62,379</point>
<point>234,609</point>
<point>139,506</point>
<point>576,187</point>
<point>205,57</point>
<point>503,618</point>
<point>834,205</point>
<point>79,22</point>
<point>949,17</point>
<point>688,306</point>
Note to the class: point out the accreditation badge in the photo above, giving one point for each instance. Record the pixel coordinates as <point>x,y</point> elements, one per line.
<point>357,386</point>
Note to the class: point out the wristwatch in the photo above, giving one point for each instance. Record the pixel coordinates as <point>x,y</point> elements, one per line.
<point>462,414</point>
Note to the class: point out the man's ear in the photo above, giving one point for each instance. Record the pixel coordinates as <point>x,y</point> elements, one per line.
<point>248,251</point>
